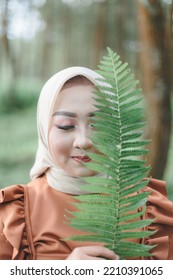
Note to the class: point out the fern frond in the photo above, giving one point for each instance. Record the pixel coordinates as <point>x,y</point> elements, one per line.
<point>112,212</point>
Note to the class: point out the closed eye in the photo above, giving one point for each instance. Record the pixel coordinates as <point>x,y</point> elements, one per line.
<point>65,127</point>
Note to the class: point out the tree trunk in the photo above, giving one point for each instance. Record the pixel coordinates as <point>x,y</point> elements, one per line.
<point>8,58</point>
<point>100,33</point>
<point>155,58</point>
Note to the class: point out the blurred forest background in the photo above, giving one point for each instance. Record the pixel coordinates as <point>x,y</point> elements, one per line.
<point>39,38</point>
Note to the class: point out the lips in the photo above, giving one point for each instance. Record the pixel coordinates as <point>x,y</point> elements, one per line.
<point>81,158</point>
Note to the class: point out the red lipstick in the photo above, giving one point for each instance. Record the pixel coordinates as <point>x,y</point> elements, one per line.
<point>81,158</point>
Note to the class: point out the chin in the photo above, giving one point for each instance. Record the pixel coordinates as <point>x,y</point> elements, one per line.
<point>87,174</point>
<point>82,173</point>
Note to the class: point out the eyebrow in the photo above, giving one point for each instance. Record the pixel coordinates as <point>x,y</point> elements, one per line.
<point>70,114</point>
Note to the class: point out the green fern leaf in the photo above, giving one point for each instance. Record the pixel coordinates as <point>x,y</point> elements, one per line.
<point>112,212</point>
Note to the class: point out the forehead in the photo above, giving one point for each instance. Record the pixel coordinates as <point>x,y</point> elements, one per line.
<point>75,97</point>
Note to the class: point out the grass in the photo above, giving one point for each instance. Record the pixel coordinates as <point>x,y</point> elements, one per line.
<point>18,144</point>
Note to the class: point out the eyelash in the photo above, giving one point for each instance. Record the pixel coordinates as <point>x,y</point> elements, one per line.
<point>68,127</point>
<point>65,127</point>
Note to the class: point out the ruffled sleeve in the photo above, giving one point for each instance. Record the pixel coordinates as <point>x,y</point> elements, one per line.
<point>160,209</point>
<point>13,223</point>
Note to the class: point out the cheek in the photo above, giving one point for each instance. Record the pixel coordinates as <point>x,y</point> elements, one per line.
<point>59,143</point>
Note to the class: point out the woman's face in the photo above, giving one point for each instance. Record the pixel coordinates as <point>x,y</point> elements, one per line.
<point>70,128</point>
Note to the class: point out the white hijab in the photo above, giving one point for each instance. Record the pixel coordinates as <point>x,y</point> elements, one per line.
<point>44,163</point>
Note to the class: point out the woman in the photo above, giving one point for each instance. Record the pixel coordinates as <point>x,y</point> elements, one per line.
<point>33,216</point>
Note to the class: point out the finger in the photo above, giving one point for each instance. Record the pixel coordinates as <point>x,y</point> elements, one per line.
<point>101,252</point>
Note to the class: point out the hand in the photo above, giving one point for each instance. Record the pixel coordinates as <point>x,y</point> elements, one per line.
<point>92,253</point>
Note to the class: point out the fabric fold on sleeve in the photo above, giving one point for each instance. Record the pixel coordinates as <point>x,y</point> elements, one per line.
<point>160,209</point>
<point>13,216</point>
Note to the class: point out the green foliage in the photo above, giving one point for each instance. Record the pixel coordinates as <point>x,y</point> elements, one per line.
<point>19,96</point>
<point>18,145</point>
<point>113,212</point>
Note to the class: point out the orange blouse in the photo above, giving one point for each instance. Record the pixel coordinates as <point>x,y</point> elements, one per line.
<point>32,222</point>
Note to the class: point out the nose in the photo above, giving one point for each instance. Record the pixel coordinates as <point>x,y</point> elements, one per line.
<point>82,141</point>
